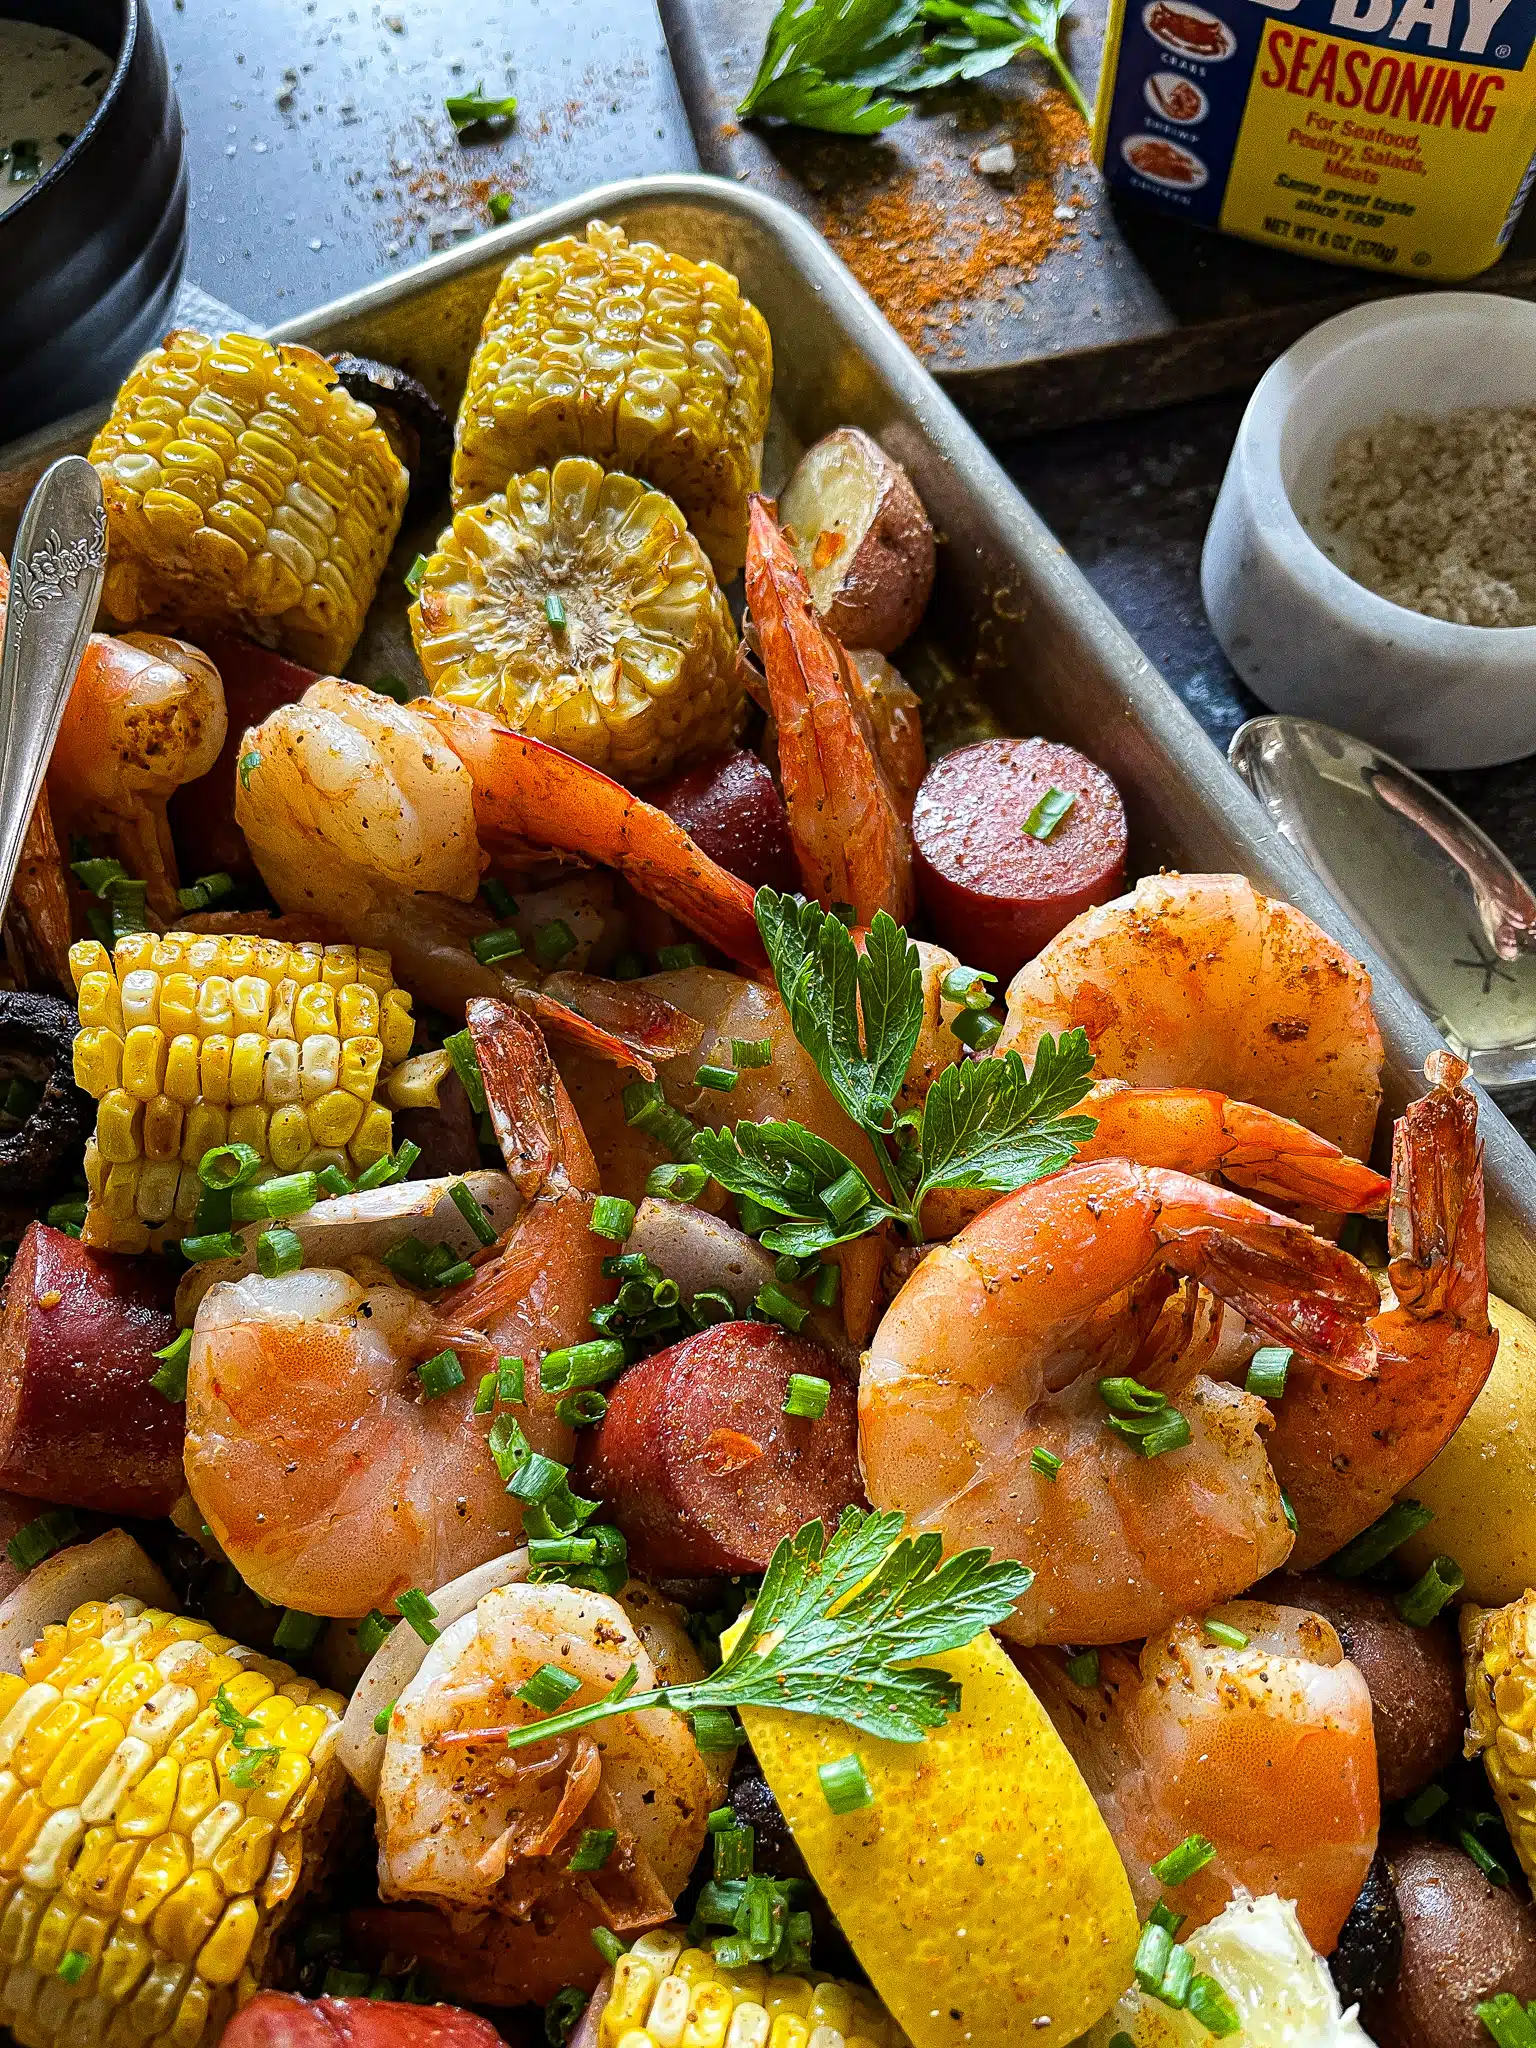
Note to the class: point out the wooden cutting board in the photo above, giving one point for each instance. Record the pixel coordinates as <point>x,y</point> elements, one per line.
<point>1036,300</point>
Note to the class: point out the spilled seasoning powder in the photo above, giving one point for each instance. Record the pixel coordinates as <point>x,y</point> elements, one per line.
<point>1439,513</point>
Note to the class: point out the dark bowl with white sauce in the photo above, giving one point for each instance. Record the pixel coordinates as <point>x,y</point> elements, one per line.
<point>93,202</point>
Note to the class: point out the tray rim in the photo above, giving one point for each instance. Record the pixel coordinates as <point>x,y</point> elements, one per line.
<point>1271,864</point>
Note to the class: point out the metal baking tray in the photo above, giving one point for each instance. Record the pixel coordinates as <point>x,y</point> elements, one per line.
<point>1009,609</point>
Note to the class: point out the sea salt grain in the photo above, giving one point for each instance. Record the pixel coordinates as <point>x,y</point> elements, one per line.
<point>1439,514</point>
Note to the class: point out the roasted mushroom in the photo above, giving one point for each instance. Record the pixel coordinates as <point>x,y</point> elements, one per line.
<point>418,429</point>
<point>44,1118</point>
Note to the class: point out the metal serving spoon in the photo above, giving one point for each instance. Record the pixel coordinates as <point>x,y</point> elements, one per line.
<point>1446,906</point>
<point>56,571</point>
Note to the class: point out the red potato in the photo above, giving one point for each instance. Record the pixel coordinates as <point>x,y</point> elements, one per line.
<point>700,1466</point>
<point>281,2019</point>
<point>1464,1941</point>
<point>993,892</point>
<point>863,539</point>
<point>80,1424</point>
<point>730,807</point>
<point>202,813</point>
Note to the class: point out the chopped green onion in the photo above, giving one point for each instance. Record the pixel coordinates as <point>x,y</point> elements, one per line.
<point>1287,1510</point>
<point>608,1945</point>
<point>99,875</point>
<point>415,576</point>
<point>392,687</point>
<point>460,1048</point>
<point>1267,1370</point>
<point>1507,2020</point>
<point>1225,1634</point>
<point>218,1244</point>
<point>552,941</point>
<point>844,1785</point>
<point>440,1374</point>
<point>826,1283</point>
<point>845,1196</point>
<point>206,891</point>
<point>248,764</point>
<point>1423,1600</point>
<point>548,1689</point>
<point>511,1379</point>
<point>499,206</point>
<point>1177,1978</point>
<point>720,1817</point>
<point>385,1172</point>
<point>278,1252</point>
<point>297,1632</point>
<point>499,897</point>
<point>776,1305</point>
<point>1163,1915</point>
<point>594,1848</point>
<point>721,1079</point>
<point>464,109</point>
<point>1083,1669</point>
<point>677,1182</point>
<point>1048,813</point>
<point>171,1379</point>
<point>670,957</point>
<point>715,1730</point>
<point>74,1966</point>
<point>373,1632</point>
<point>752,1052</point>
<point>382,1719</point>
<point>969,986</point>
<point>346,1984</point>
<point>733,1852</point>
<point>1152,1953</point>
<point>1402,1520</point>
<point>286,1194</point>
<point>1487,1863</point>
<point>228,1166</point>
<point>581,1409</point>
<point>485,1394</point>
<point>1045,1462</point>
<point>490,947</point>
<point>554,611</point>
<point>711,1306</point>
<point>592,1364</point>
<point>418,1610</point>
<point>978,1029</point>
<point>1210,2005</point>
<point>612,1217</point>
<point>1425,1805</point>
<point>67,1216</point>
<point>463,1200</point>
<point>333,1181</point>
<point>126,903</point>
<point>647,1109</point>
<point>627,967</point>
<point>1171,1434</point>
<point>1130,1397</point>
<point>41,1537</point>
<point>1181,1863</point>
<point>807,1396</point>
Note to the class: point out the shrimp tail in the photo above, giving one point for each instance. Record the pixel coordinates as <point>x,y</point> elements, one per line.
<point>625,1025</point>
<point>1436,1222</point>
<point>1273,1157</point>
<point>535,1121</point>
<point>849,838</point>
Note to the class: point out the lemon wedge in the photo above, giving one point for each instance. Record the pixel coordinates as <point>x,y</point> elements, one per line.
<point>980,1889</point>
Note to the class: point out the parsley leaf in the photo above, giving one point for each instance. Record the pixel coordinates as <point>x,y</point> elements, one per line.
<point>994,1124</point>
<point>824,61</point>
<point>469,109</point>
<point>834,1629</point>
<point>978,36</point>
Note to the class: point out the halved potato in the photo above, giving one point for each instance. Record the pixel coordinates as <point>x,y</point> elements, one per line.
<point>862,538</point>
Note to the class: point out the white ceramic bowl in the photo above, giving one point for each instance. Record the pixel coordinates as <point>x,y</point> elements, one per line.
<point>1303,635</point>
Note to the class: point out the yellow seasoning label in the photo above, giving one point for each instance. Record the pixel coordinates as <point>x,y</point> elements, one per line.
<point>1392,134</point>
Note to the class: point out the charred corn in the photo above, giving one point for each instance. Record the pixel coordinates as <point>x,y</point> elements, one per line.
<point>165,1796</point>
<point>665,1993</point>
<point>622,351</point>
<point>579,608</point>
<point>188,1041</point>
<point>1499,1644</point>
<point>245,488</point>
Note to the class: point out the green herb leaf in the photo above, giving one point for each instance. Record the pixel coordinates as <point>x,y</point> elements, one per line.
<point>781,1167</point>
<point>466,109</point>
<point>978,36</point>
<point>824,60</point>
<point>991,1124</point>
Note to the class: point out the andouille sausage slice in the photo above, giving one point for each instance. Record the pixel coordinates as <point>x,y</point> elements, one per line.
<point>731,808</point>
<point>698,1463</point>
<point>993,891</point>
<point>281,2019</point>
<point>80,1424</point>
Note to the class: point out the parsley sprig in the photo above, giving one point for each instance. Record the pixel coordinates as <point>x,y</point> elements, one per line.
<point>833,1631</point>
<point>832,64</point>
<point>985,1124</point>
<point>254,1760</point>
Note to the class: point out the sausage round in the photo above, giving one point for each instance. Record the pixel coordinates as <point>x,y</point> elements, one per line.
<point>732,811</point>
<point>80,1424</point>
<point>280,2019</point>
<point>698,1463</point>
<point>992,892</point>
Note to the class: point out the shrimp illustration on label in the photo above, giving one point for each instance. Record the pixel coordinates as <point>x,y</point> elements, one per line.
<point>1176,98</point>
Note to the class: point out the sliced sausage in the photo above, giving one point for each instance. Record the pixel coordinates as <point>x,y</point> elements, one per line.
<point>731,809</point>
<point>80,1423</point>
<point>993,892</point>
<point>202,813</point>
<point>700,1466</point>
<point>281,2019</point>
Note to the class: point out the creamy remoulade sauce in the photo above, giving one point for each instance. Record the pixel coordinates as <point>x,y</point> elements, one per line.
<point>50,85</point>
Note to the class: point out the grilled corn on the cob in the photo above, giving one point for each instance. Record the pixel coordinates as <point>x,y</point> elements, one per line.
<point>245,488</point>
<point>164,1797</point>
<point>664,1992</point>
<point>1500,1648</point>
<point>580,608</point>
<point>625,352</point>
<point>188,1041</point>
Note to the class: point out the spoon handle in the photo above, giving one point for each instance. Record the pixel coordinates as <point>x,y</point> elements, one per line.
<point>56,571</point>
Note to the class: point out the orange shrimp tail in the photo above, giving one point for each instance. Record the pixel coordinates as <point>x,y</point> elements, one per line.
<point>1436,1225</point>
<point>1274,1157</point>
<point>535,1121</point>
<point>624,1025</point>
<point>527,794</point>
<point>848,834</point>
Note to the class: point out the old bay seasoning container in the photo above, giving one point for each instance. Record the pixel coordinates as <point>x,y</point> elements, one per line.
<point>1392,134</point>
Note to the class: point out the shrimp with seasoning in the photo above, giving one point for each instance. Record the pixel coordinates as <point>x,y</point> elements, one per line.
<point>1262,1742</point>
<point>332,1480</point>
<point>997,1344</point>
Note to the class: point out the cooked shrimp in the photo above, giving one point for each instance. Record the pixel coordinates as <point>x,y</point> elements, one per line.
<point>1197,979</point>
<point>895,716</point>
<point>362,811</point>
<point>844,818</point>
<point>1343,1449</point>
<point>146,715</point>
<point>995,1346</point>
<point>476,1830</point>
<point>331,1481</point>
<point>1268,1750</point>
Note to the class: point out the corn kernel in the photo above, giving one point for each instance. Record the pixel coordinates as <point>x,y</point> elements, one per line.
<point>144,1061</point>
<point>162,1128</point>
<point>374,1138</point>
<point>99,1004</point>
<point>398,1028</point>
<point>319,1065</point>
<point>178,1005</point>
<point>88,956</point>
<point>183,1069</point>
<point>140,992</point>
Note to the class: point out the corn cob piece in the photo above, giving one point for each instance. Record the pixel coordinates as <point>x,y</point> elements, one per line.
<point>1499,1644</point>
<point>579,607</point>
<point>246,488</point>
<point>165,1797</point>
<point>625,352</point>
<point>665,1993</point>
<point>188,1041</point>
